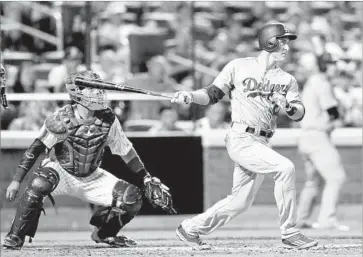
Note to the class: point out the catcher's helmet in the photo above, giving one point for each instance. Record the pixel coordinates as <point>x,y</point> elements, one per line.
<point>268,35</point>
<point>92,99</point>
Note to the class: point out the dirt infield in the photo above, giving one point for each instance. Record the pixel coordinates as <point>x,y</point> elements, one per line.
<point>254,233</point>
<point>165,243</point>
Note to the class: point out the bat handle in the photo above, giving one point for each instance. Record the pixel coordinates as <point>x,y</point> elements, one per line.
<point>165,96</point>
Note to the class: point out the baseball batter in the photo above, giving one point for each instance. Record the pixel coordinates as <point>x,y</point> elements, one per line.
<point>258,89</point>
<point>75,137</point>
<point>323,164</point>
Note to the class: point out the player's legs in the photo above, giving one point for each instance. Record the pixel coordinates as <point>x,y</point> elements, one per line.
<point>328,164</point>
<point>254,159</point>
<point>332,171</point>
<point>309,194</point>
<point>65,184</point>
<point>96,188</point>
<point>119,202</point>
<point>25,223</point>
<point>245,187</point>
<point>256,155</point>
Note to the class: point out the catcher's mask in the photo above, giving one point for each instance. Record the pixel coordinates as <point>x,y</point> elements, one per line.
<point>91,98</point>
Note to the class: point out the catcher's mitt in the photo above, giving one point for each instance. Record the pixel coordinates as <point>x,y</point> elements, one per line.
<point>158,194</point>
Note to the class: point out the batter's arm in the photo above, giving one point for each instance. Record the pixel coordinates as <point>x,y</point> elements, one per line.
<point>211,94</point>
<point>295,109</point>
<point>120,145</point>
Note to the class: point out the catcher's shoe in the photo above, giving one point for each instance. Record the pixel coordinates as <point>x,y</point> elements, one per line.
<point>13,242</point>
<point>117,241</point>
<point>193,241</point>
<point>299,241</point>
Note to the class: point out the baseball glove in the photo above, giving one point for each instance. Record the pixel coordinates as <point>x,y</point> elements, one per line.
<point>158,194</point>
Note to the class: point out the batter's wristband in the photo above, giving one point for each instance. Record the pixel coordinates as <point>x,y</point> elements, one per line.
<point>291,110</point>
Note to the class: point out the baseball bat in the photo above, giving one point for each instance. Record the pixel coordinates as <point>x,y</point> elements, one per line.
<point>100,84</point>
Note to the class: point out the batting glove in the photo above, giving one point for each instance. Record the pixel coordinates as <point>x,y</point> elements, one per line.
<point>182,97</point>
<point>279,100</point>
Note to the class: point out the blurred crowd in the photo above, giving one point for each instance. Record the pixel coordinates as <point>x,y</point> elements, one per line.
<point>138,42</point>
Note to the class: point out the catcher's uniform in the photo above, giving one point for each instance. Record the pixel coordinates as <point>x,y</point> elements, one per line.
<point>77,153</point>
<point>72,168</point>
<point>321,158</point>
<point>253,124</point>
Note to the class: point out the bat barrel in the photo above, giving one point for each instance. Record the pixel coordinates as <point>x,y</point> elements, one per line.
<point>93,83</point>
<point>99,84</point>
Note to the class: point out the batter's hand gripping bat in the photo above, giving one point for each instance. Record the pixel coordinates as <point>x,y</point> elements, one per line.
<point>100,84</point>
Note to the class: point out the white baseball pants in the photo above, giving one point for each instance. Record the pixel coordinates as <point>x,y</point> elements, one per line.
<point>325,175</point>
<point>96,188</point>
<point>254,158</point>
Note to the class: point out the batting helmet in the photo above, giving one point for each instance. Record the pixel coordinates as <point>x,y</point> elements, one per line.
<point>268,35</point>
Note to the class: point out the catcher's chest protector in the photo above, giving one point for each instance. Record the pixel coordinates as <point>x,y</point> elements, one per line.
<point>81,152</point>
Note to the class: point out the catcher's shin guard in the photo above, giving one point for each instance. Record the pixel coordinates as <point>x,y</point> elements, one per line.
<point>127,202</point>
<point>30,206</point>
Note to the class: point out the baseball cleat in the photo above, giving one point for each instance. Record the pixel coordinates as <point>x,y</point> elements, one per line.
<point>193,241</point>
<point>13,242</point>
<point>117,241</point>
<point>299,241</point>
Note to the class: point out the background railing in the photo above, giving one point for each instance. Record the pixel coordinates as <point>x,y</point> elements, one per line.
<point>55,13</point>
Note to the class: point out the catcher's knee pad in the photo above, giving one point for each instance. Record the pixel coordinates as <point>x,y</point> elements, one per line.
<point>127,201</point>
<point>42,182</point>
<point>127,197</point>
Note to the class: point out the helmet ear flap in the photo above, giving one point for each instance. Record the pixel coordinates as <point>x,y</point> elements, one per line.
<point>271,44</point>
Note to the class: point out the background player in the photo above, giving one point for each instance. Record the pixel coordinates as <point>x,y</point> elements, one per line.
<point>258,89</point>
<point>323,166</point>
<point>75,137</point>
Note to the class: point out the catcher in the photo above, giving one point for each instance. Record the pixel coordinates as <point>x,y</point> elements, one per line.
<point>74,138</point>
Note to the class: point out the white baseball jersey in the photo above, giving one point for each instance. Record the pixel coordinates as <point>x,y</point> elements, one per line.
<point>250,86</point>
<point>318,96</point>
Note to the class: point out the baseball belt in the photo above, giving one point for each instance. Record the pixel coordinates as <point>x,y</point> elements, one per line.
<point>253,130</point>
